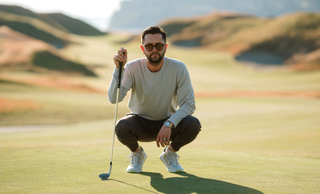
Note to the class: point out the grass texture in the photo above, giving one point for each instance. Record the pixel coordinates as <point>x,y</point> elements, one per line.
<point>248,144</point>
<point>240,149</point>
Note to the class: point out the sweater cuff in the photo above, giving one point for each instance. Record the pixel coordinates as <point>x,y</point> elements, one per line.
<point>174,121</point>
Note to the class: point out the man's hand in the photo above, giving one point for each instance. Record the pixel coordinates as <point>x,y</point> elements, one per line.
<point>121,56</point>
<point>164,133</point>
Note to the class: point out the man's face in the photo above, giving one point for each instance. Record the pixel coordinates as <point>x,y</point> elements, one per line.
<point>154,56</point>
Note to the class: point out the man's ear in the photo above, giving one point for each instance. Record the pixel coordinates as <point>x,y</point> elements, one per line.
<point>142,48</point>
<point>165,48</point>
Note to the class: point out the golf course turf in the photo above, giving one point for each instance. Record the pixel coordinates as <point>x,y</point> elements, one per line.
<point>248,143</point>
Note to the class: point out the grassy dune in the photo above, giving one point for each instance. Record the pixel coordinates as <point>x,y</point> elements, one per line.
<point>49,61</point>
<point>248,144</point>
<point>73,25</point>
<point>35,28</point>
<point>289,38</point>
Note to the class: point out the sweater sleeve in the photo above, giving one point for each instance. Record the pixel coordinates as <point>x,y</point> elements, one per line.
<point>185,97</point>
<point>112,90</point>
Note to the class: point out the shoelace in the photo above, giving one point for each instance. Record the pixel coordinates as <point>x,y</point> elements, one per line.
<point>134,158</point>
<point>173,158</point>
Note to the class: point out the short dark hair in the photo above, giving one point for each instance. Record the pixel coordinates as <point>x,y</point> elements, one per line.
<point>154,30</point>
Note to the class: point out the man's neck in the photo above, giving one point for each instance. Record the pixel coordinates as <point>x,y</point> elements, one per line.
<point>155,67</point>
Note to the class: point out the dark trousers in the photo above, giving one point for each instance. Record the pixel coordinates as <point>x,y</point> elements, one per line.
<point>132,128</point>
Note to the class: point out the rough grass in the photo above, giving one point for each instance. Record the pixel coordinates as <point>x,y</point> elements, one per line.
<point>47,60</point>
<point>35,28</point>
<point>290,39</point>
<point>17,10</point>
<point>54,106</point>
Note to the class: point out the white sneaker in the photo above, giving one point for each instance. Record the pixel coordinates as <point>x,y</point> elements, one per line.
<point>170,159</point>
<point>136,161</point>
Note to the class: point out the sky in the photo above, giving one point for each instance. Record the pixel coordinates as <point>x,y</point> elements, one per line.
<point>95,12</point>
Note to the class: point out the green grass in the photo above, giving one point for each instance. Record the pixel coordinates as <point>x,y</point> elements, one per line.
<point>247,144</point>
<point>275,126</point>
<point>234,153</point>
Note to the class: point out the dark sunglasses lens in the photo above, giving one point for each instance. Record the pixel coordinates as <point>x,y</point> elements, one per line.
<point>149,47</point>
<point>159,46</point>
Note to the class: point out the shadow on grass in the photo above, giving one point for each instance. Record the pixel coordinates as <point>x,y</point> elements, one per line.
<point>189,183</point>
<point>133,185</point>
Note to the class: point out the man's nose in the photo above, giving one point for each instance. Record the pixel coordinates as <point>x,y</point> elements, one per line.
<point>154,48</point>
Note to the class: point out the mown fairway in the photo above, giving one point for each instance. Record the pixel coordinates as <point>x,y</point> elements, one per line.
<point>254,140</point>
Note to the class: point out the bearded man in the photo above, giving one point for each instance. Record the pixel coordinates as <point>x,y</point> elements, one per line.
<point>161,102</point>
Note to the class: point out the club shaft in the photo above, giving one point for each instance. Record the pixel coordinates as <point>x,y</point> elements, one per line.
<point>115,115</point>
<point>114,127</point>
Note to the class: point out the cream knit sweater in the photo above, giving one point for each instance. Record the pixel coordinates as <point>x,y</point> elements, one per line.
<point>155,95</point>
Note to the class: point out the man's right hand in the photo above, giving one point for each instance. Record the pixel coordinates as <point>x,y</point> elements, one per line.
<point>121,56</point>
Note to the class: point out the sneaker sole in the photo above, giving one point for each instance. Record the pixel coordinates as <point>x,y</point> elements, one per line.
<point>133,171</point>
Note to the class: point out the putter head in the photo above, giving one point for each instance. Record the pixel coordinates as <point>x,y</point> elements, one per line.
<point>104,176</point>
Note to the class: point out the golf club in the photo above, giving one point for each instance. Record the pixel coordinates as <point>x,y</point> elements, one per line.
<point>107,175</point>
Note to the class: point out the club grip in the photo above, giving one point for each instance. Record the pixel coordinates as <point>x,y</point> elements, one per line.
<point>120,71</point>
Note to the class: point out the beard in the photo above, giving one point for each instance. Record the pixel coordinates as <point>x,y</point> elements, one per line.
<point>155,60</point>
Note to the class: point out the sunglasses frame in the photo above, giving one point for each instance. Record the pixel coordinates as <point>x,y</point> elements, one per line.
<point>154,45</point>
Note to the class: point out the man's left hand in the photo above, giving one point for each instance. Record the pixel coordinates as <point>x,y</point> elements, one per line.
<point>163,137</point>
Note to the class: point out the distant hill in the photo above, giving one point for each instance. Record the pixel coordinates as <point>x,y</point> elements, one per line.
<point>56,20</point>
<point>139,14</point>
<point>17,48</point>
<point>289,39</point>
<point>30,41</point>
<point>17,10</point>
<point>22,52</point>
<point>75,26</point>
<point>35,28</point>
<point>208,29</point>
<point>46,60</point>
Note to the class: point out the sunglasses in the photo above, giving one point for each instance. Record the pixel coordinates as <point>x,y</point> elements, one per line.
<point>149,47</point>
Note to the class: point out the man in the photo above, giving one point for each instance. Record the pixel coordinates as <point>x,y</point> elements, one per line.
<point>158,86</point>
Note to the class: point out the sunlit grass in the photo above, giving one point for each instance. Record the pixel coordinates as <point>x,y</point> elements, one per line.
<point>247,144</point>
<point>275,126</point>
<point>250,144</point>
